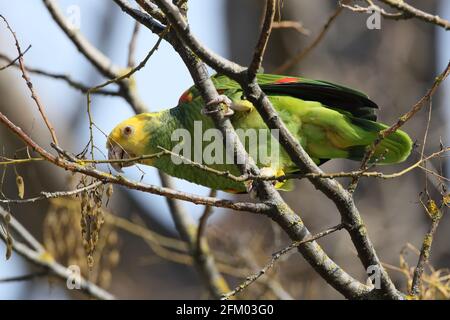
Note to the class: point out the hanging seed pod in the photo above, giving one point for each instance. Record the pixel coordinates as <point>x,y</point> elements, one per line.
<point>446,199</point>
<point>20,186</point>
<point>7,218</point>
<point>110,190</point>
<point>90,261</point>
<point>9,247</point>
<point>433,210</point>
<point>105,278</point>
<point>113,258</point>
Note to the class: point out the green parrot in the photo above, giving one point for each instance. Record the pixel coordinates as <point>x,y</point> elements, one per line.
<point>330,121</point>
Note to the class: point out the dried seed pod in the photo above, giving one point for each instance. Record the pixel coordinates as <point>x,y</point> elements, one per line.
<point>90,261</point>
<point>20,186</point>
<point>114,258</point>
<point>110,190</point>
<point>105,278</point>
<point>9,247</point>
<point>113,238</point>
<point>446,199</point>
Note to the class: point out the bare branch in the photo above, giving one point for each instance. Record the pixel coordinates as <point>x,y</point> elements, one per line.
<point>303,53</point>
<point>275,257</point>
<point>260,49</point>
<point>27,79</point>
<point>400,122</point>
<point>11,61</point>
<point>204,261</point>
<point>286,24</point>
<point>102,63</point>
<point>410,11</point>
<point>201,230</point>
<point>26,277</point>
<point>97,58</point>
<point>435,214</point>
<point>57,76</point>
<point>42,258</point>
<point>132,45</point>
<point>53,195</point>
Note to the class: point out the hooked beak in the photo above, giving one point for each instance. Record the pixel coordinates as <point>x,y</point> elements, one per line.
<point>115,152</point>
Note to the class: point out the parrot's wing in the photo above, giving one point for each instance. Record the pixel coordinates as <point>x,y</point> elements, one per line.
<point>327,93</point>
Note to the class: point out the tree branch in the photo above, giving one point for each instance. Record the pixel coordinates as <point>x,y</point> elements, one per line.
<point>42,258</point>
<point>27,79</point>
<point>410,11</point>
<point>203,259</point>
<point>275,257</point>
<point>57,76</point>
<point>102,63</point>
<point>260,49</point>
<point>304,52</point>
<point>435,215</point>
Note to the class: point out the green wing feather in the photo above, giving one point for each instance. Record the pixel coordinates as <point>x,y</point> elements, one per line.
<point>329,94</point>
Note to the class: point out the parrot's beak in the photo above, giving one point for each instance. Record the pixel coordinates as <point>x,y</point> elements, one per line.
<point>115,152</point>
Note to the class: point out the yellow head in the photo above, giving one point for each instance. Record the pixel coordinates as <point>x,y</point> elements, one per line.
<point>129,139</point>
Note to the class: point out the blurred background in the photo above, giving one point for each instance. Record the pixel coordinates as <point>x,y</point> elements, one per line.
<point>394,65</point>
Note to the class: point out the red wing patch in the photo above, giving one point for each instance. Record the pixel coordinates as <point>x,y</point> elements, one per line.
<point>186,97</point>
<point>287,80</point>
<point>234,191</point>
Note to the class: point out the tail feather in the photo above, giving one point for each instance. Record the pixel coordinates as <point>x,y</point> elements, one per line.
<point>395,148</point>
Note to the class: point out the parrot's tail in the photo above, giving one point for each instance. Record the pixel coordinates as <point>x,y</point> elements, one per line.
<point>395,148</point>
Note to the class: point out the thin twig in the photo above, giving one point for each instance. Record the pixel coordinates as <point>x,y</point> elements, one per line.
<point>27,79</point>
<point>63,77</point>
<point>435,214</point>
<point>53,195</point>
<point>304,52</point>
<point>42,258</point>
<point>133,44</point>
<point>101,62</point>
<point>12,62</point>
<point>372,7</point>
<point>201,230</point>
<point>260,49</point>
<point>188,231</point>
<point>26,277</point>
<point>275,257</point>
<point>400,122</point>
<point>286,24</point>
<point>419,14</point>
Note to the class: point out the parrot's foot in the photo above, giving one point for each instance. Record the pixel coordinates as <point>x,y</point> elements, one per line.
<point>220,99</point>
<point>269,172</point>
<point>273,173</point>
<point>266,173</point>
<point>242,106</point>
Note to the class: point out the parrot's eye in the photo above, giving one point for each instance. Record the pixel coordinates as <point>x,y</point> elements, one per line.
<point>128,131</point>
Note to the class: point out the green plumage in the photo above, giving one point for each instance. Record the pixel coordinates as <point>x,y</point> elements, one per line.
<point>330,121</point>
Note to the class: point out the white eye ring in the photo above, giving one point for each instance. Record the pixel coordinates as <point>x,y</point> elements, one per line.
<point>128,131</point>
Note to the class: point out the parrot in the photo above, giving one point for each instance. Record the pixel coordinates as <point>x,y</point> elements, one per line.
<point>330,121</point>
